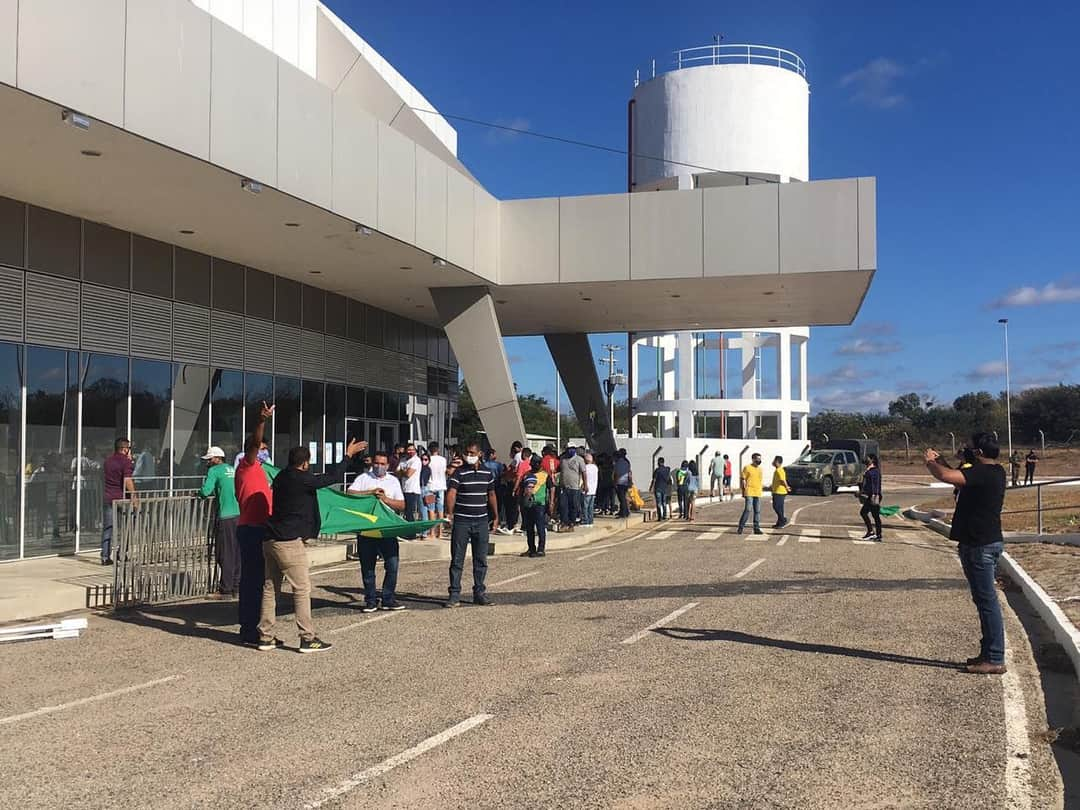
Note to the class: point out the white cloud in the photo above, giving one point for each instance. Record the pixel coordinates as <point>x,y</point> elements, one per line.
<point>985,371</point>
<point>868,346</point>
<point>848,373</point>
<point>507,130</point>
<point>848,400</point>
<point>874,84</point>
<point>1056,292</point>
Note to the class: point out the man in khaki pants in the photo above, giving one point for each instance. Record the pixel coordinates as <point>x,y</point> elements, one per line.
<point>294,518</point>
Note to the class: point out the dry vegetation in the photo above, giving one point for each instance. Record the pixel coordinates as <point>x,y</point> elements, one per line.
<point>1061,508</point>
<point>1057,569</point>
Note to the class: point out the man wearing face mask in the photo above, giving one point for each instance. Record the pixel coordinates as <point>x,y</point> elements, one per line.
<point>752,489</point>
<point>386,488</point>
<point>572,476</point>
<point>294,518</point>
<point>470,500</point>
<point>409,472</point>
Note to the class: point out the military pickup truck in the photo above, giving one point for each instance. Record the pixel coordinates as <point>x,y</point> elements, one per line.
<point>823,469</point>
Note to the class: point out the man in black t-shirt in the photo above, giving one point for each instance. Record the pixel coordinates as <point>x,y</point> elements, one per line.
<point>661,488</point>
<point>976,526</point>
<point>471,504</point>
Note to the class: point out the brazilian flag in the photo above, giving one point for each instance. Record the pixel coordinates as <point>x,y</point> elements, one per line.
<point>343,513</point>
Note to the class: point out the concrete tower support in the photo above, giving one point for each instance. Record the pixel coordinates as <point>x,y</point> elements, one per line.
<point>577,369</point>
<point>468,317</point>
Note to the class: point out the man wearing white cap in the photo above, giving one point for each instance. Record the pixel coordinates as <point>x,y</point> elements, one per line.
<point>220,483</point>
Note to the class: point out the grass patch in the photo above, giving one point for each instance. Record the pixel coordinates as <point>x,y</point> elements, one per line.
<point>1061,509</point>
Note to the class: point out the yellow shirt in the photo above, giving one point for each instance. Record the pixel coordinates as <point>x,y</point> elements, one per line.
<point>751,481</point>
<point>779,481</point>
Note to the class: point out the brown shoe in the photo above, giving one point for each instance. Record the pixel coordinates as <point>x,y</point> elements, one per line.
<point>975,659</point>
<point>986,668</point>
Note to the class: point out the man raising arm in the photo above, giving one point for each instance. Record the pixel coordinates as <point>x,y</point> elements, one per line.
<point>252,489</point>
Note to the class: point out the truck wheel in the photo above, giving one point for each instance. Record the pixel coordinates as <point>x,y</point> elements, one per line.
<point>827,486</point>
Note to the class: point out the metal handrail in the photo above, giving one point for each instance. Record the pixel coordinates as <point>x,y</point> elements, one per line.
<point>1039,508</point>
<point>733,54</point>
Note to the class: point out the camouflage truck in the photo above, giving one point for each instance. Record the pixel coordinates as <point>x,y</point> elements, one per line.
<point>838,464</point>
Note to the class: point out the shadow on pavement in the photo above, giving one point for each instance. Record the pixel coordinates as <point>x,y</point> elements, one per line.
<point>689,634</point>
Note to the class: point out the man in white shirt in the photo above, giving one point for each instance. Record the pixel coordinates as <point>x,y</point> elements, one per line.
<point>408,470</point>
<point>437,482</point>
<point>592,480</point>
<point>386,488</point>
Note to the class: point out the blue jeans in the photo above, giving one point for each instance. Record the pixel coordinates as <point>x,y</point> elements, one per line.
<point>106,531</point>
<point>980,568</point>
<point>468,531</point>
<point>663,503</point>
<point>534,521</point>
<point>569,506</point>
<point>590,510</point>
<point>755,504</point>
<point>250,540</point>
<point>370,549</point>
<point>681,493</point>
<point>778,507</point>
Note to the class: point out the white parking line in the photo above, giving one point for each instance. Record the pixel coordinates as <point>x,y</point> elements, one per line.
<point>663,534</point>
<point>513,579</point>
<point>388,765</point>
<point>749,568</point>
<point>782,540</point>
<point>1017,746</point>
<point>384,615</point>
<point>594,554</point>
<point>83,701</point>
<point>640,634</point>
<point>796,513</point>
<point>810,536</point>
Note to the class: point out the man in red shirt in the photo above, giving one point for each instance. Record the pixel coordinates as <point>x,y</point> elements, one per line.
<point>118,470</point>
<point>256,503</point>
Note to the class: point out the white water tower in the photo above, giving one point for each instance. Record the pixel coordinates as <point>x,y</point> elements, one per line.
<point>720,115</point>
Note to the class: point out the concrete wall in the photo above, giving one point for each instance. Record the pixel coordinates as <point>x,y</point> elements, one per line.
<point>727,118</point>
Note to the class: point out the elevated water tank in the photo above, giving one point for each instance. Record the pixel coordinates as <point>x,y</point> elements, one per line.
<point>742,109</point>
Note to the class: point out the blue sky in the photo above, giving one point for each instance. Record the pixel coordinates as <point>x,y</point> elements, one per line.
<point>970,120</point>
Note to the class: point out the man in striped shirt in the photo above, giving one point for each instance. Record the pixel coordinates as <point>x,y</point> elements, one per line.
<point>470,501</point>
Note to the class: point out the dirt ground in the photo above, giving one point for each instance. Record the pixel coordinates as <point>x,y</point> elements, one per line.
<point>1056,462</point>
<point>1057,569</point>
<point>1061,508</point>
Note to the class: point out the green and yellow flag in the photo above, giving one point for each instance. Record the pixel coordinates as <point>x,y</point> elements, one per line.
<point>343,513</point>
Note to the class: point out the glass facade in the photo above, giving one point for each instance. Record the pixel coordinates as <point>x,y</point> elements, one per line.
<point>69,387</point>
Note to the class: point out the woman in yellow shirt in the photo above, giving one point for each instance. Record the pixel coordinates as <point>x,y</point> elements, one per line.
<point>779,491</point>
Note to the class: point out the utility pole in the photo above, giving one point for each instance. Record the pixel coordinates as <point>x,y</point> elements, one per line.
<point>611,381</point>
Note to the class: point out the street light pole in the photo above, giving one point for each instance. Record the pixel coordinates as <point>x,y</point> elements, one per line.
<point>610,383</point>
<point>1008,389</point>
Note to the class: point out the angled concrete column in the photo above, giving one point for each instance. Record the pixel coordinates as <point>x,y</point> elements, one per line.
<point>574,361</point>
<point>468,317</point>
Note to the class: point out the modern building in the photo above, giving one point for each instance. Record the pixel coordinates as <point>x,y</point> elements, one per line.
<point>207,204</point>
<point>720,116</point>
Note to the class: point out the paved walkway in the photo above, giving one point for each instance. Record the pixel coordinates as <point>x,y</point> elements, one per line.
<point>675,665</point>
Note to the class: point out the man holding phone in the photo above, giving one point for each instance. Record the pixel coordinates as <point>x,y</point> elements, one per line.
<point>378,482</point>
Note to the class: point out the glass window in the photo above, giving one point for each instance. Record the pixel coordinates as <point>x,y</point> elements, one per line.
<point>768,358</point>
<point>649,373</point>
<point>336,317</point>
<point>228,286</point>
<point>286,301</point>
<point>355,402</point>
<point>444,349</point>
<point>768,426</point>
<point>258,388</point>
<point>708,424</point>
<point>10,424</point>
<point>12,232</point>
<point>733,371</point>
<point>311,428</point>
<point>796,428</point>
<point>260,294</point>
<point>106,255</point>
<point>374,404</point>
<point>151,407</point>
<point>432,349</point>
<point>151,267</point>
<point>55,242</point>
<point>314,308</point>
<point>707,369</point>
<point>334,447</point>
<point>373,327</point>
<point>286,418</point>
<point>192,277</point>
<point>104,420</point>
<point>227,412</point>
<point>191,423</point>
<point>796,372</point>
<point>52,400</point>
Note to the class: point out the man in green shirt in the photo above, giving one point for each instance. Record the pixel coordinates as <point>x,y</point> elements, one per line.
<point>220,484</point>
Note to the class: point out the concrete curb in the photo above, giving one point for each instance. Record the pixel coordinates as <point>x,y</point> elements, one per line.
<point>1065,633</point>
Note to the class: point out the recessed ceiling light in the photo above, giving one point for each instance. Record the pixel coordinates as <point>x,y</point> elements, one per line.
<point>90,152</point>
<point>419,306</point>
<point>769,292</point>
<point>247,184</point>
<point>676,295</point>
<point>404,267</point>
<point>292,224</point>
<point>76,119</point>
<point>315,272</point>
<point>437,261</point>
<point>363,230</point>
<point>585,298</point>
<point>500,300</point>
<point>187,232</point>
<point>772,320</point>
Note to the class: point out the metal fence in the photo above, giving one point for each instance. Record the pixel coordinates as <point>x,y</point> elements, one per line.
<point>1069,486</point>
<point>163,549</point>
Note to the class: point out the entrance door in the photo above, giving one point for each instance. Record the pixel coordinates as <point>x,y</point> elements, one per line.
<point>382,436</point>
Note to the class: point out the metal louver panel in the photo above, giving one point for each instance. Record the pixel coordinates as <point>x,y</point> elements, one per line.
<point>286,350</point>
<point>191,333</point>
<point>104,319</point>
<point>357,365</point>
<point>151,327</point>
<point>52,311</point>
<point>226,339</point>
<point>312,361</point>
<point>258,345</point>
<point>11,304</point>
<point>337,358</point>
